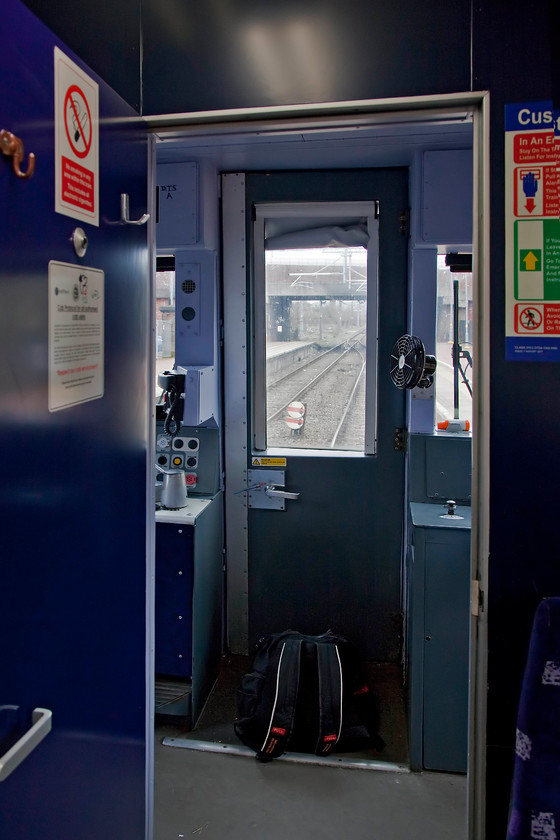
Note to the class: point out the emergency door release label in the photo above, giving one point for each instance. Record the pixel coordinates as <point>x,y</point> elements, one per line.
<point>532,171</point>
<point>76,126</point>
<point>76,334</point>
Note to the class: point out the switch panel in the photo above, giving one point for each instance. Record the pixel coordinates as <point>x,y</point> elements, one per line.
<point>195,451</point>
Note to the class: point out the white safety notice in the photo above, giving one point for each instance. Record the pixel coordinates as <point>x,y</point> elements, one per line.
<point>76,334</point>
<point>76,98</point>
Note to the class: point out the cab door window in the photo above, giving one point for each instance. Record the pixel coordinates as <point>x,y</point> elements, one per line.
<point>315,327</point>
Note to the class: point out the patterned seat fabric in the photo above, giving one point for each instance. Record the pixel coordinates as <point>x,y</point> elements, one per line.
<point>535,801</point>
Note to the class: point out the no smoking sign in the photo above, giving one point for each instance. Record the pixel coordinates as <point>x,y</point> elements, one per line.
<point>77,121</point>
<point>76,141</point>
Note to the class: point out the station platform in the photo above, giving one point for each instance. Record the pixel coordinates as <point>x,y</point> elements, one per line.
<point>281,354</point>
<point>279,348</point>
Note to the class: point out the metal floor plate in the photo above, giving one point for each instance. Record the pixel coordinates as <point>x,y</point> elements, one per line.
<point>294,758</point>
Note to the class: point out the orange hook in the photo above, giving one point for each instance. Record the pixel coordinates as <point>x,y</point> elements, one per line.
<point>13,147</point>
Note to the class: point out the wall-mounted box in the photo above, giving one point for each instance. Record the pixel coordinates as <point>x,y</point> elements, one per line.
<point>187,206</point>
<point>440,467</point>
<point>447,197</point>
<point>196,307</point>
<point>201,394</point>
<point>177,211</point>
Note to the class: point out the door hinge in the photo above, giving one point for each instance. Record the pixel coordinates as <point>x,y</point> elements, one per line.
<point>404,219</point>
<point>477,598</point>
<point>400,440</point>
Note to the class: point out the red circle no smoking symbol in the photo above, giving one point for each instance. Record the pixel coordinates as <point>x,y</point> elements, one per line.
<point>530,319</point>
<point>77,121</point>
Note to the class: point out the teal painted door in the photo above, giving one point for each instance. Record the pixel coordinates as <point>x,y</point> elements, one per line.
<point>332,559</point>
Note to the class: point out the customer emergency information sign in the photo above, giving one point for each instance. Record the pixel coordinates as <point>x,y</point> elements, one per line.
<point>532,178</point>
<point>76,141</point>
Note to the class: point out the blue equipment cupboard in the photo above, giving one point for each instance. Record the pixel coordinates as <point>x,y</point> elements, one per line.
<point>188,603</point>
<point>438,637</point>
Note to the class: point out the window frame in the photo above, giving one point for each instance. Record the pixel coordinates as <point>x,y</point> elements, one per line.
<point>327,211</point>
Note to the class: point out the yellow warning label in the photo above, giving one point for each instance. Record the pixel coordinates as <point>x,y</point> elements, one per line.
<point>269,462</point>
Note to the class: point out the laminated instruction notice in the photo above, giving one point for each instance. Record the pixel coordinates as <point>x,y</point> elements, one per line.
<point>76,334</point>
<point>532,194</point>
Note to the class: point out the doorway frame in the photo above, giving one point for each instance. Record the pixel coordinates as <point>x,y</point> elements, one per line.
<point>393,111</point>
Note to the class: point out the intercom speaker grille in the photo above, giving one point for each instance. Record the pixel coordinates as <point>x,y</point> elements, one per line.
<point>188,286</point>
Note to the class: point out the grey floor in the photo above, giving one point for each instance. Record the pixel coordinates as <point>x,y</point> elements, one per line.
<point>213,796</point>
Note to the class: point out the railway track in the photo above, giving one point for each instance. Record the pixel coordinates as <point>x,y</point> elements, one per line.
<point>332,388</point>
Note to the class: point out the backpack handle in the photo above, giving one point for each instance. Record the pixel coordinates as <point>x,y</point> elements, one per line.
<point>285,684</point>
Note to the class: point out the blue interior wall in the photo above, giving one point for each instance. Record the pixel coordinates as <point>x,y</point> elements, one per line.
<point>72,567</point>
<point>524,397</point>
<point>245,53</point>
<point>107,36</point>
<point>204,56</point>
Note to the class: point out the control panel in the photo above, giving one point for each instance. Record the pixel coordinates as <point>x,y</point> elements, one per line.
<point>179,453</point>
<point>194,451</point>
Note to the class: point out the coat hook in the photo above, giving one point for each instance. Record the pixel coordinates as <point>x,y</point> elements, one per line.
<point>12,146</point>
<point>125,220</point>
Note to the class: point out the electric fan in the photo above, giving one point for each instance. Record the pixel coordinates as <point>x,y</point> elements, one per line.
<point>411,367</point>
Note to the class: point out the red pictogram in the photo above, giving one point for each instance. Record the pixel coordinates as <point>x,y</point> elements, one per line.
<point>77,121</point>
<point>529,318</point>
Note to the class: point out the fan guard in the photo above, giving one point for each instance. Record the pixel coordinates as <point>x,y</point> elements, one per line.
<point>411,367</point>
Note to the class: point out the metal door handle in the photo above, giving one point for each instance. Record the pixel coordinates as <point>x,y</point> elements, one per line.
<point>41,726</point>
<point>271,490</point>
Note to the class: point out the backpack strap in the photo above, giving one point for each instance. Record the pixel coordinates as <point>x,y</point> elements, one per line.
<point>284,684</point>
<point>330,697</point>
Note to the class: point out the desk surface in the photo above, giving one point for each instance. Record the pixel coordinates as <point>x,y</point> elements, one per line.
<point>184,516</point>
<point>434,516</point>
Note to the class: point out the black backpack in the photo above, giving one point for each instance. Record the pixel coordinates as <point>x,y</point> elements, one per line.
<point>306,693</point>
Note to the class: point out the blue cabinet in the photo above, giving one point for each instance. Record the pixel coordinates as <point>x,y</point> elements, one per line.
<point>438,637</point>
<point>188,610</point>
<point>173,607</point>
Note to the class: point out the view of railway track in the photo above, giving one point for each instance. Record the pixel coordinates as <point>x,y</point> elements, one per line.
<point>330,385</point>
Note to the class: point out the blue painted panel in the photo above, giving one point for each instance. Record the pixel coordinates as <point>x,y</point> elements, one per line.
<point>116,56</point>
<point>73,572</point>
<point>202,56</point>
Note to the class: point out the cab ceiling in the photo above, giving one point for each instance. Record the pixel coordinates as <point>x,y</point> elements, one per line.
<point>238,148</point>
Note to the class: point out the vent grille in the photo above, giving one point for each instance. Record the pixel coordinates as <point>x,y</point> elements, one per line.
<point>188,286</point>
<point>169,691</point>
